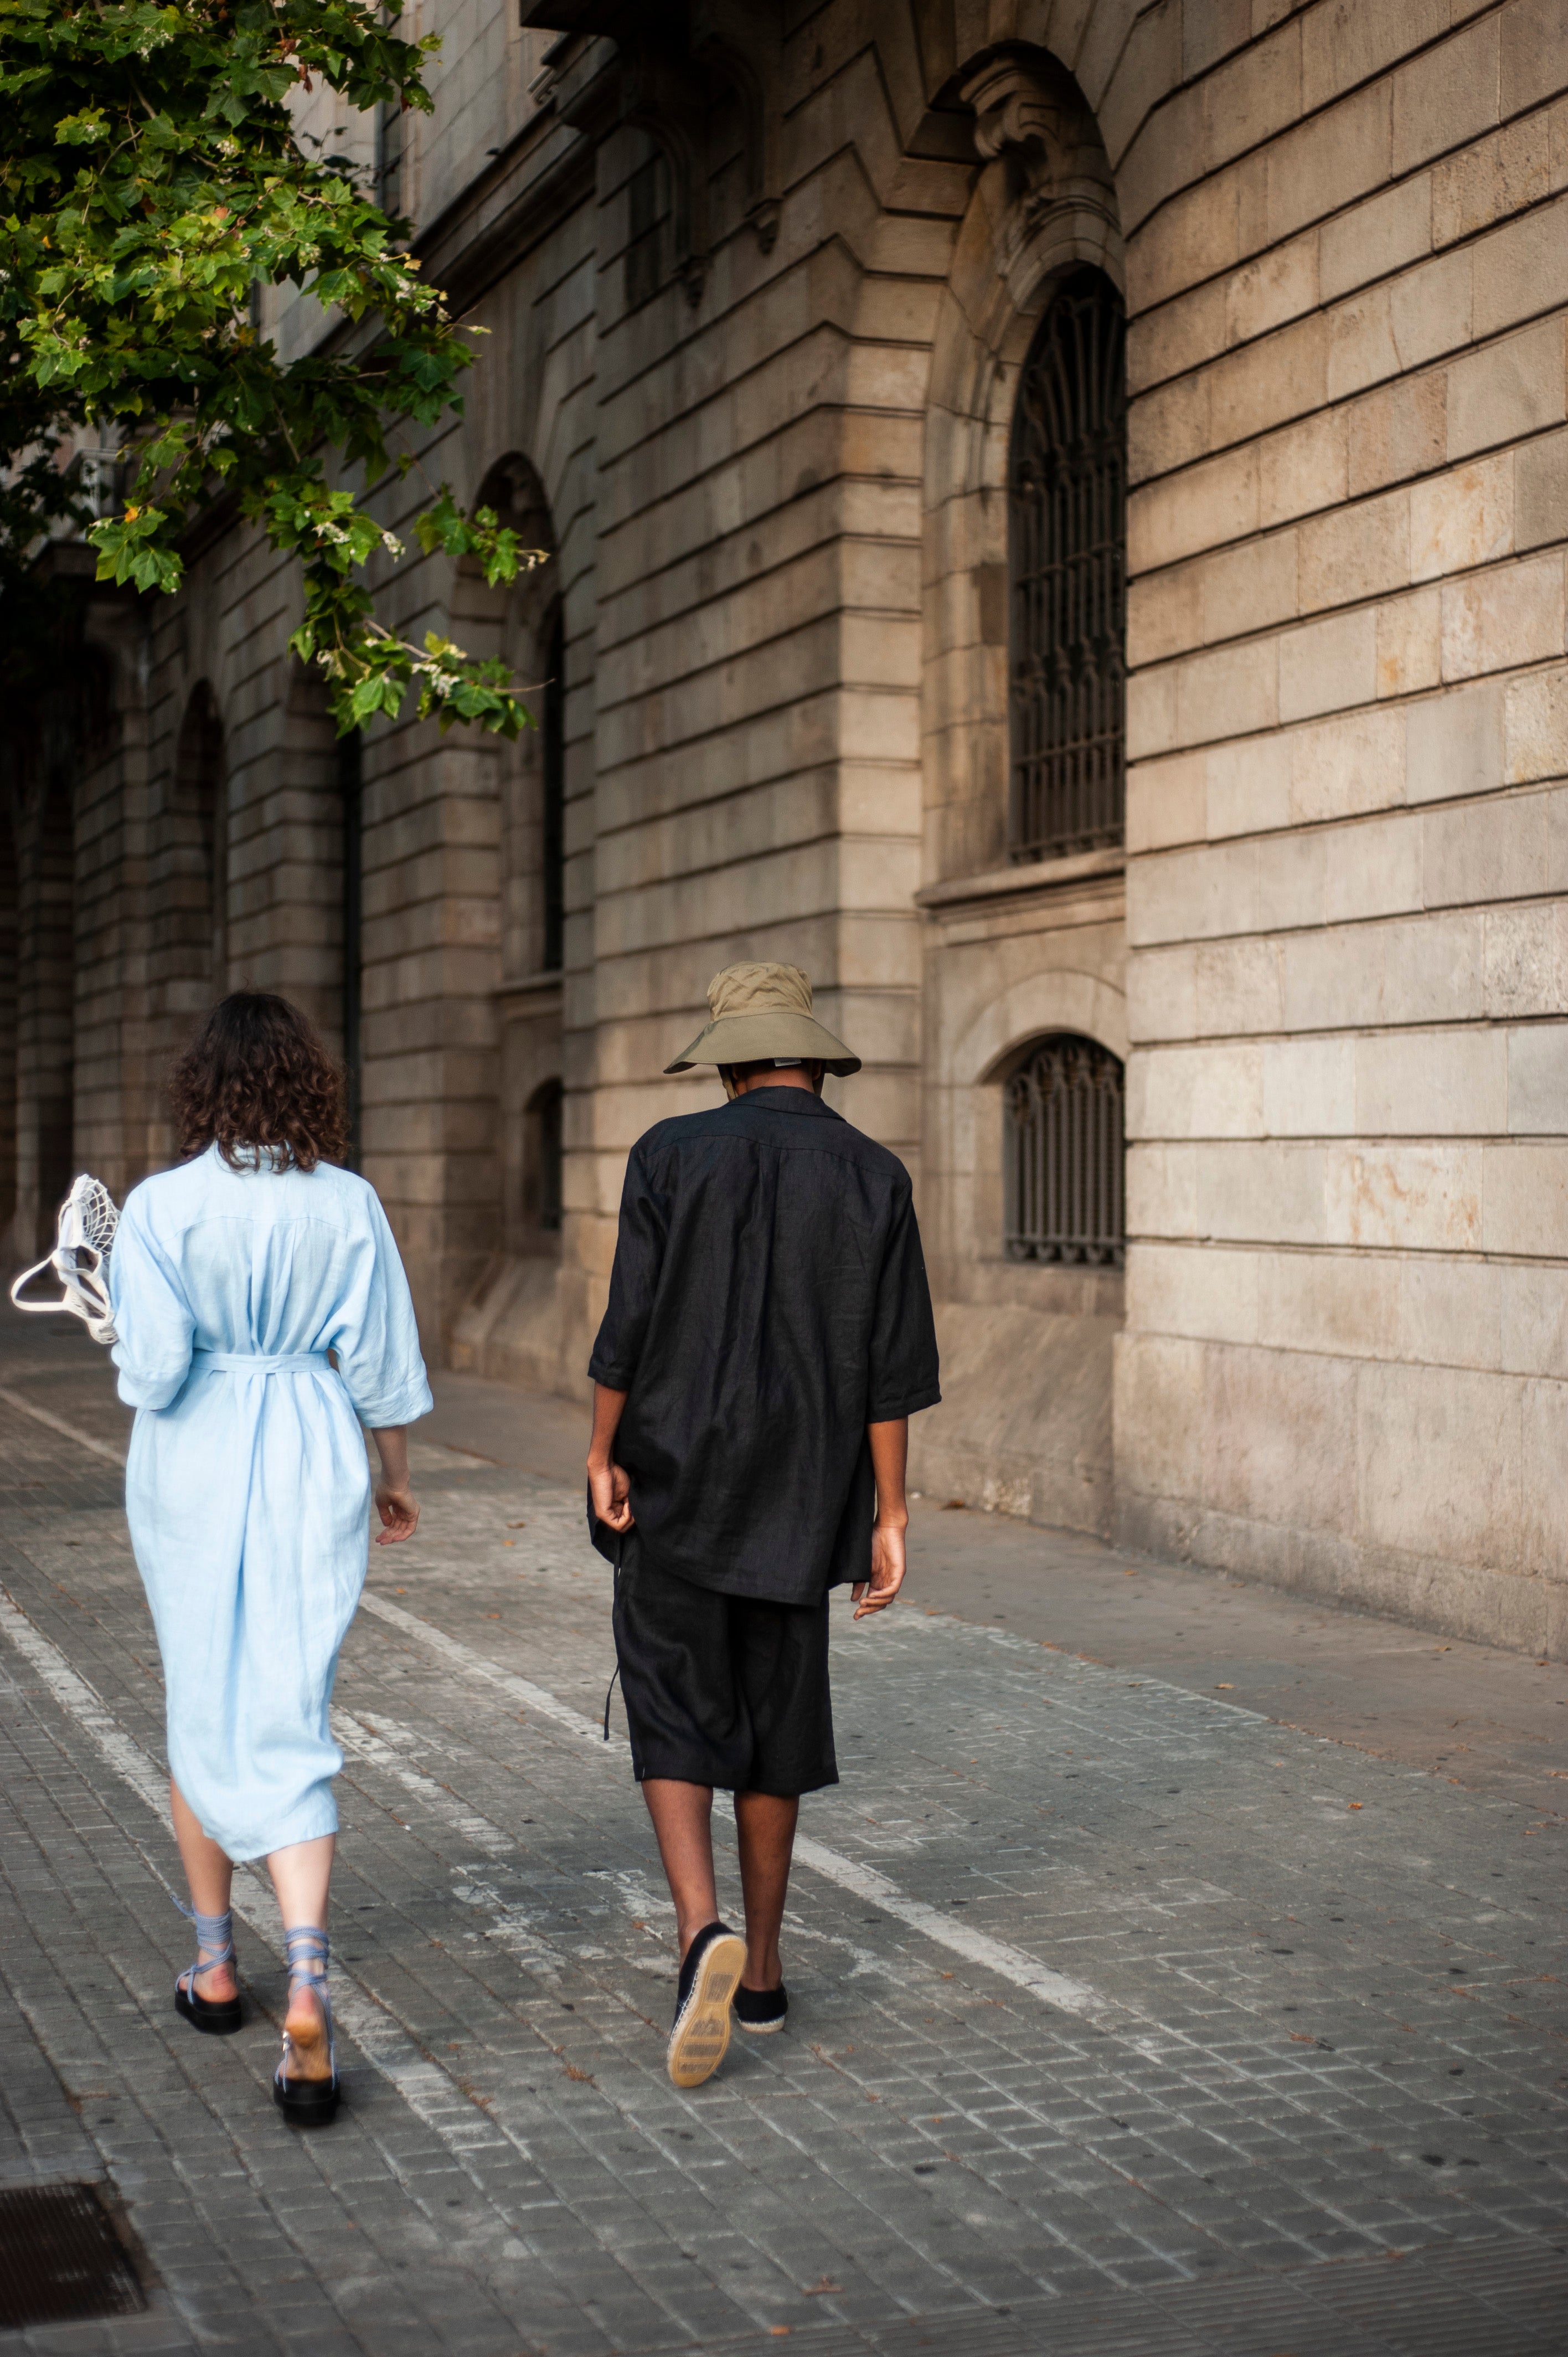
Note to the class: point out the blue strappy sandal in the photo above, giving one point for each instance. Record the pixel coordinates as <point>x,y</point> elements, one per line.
<point>309,2102</point>
<point>218,2016</point>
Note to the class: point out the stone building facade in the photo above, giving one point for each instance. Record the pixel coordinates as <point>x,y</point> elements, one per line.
<point>884,379</point>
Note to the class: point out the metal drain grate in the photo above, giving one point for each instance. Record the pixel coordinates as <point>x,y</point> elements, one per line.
<point>60,2259</point>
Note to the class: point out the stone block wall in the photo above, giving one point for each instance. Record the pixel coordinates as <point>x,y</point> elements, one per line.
<point>1342,1367</point>
<point>758,287</point>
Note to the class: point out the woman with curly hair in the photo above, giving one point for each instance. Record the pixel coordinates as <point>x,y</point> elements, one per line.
<point>247,1488</point>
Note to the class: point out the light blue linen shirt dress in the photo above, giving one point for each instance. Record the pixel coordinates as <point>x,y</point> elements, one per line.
<point>247,1488</point>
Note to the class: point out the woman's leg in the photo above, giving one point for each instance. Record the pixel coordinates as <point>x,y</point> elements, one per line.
<point>210,1874</point>
<point>302,1874</point>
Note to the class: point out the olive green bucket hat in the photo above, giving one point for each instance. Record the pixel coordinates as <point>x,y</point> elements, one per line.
<point>760,1011</point>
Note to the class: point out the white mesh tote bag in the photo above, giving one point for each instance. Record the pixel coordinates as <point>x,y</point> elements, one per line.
<point>80,1259</point>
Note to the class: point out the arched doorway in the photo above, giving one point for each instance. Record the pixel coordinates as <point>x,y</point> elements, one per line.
<point>524,627</point>
<point>512,1324</point>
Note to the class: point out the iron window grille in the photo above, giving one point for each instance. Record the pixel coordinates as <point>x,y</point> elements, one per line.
<point>1063,1142</point>
<point>1068,553</point>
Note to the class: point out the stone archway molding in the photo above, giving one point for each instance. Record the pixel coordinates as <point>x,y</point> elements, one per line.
<point>1061,998</point>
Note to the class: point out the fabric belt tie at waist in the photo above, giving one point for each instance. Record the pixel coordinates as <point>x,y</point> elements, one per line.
<point>256,1362</point>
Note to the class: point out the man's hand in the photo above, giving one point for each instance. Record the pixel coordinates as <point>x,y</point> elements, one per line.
<point>611,1493</point>
<point>889,1451</point>
<point>888,1566</point>
<point>607,1484</point>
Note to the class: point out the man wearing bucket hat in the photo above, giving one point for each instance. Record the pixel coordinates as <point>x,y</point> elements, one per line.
<point>768,1335</point>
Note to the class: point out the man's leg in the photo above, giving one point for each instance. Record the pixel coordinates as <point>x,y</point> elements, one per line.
<point>765,1826</point>
<point>683,1822</point>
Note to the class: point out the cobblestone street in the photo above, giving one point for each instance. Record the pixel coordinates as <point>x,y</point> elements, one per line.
<point>1178,1968</point>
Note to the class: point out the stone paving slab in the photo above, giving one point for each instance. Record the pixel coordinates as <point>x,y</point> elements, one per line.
<point>1122,2017</point>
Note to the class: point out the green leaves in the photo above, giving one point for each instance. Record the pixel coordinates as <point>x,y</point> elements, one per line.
<point>151,177</point>
<point>128,550</point>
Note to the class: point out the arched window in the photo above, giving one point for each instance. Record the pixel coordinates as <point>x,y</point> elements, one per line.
<point>1066,503</point>
<point>1062,1151</point>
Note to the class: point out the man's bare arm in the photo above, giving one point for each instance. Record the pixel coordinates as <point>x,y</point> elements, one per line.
<point>889,1457</point>
<point>607,1480</point>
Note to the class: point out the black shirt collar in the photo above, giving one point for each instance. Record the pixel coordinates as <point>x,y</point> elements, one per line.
<point>788,1100</point>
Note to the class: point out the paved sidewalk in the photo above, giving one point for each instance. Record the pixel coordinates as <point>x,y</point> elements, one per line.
<point>1177,1968</point>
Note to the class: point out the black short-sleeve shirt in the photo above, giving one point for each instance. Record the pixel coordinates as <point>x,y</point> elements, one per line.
<point>768,1301</point>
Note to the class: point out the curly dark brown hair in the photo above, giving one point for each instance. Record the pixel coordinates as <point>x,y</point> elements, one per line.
<point>257,1076</point>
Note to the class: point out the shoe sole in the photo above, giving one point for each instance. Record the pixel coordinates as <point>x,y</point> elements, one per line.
<point>307,2100</point>
<point>213,2018</point>
<point>761,2028</point>
<point>306,2103</point>
<point>700,2040</point>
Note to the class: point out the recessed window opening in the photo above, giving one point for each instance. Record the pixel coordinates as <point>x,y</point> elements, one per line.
<point>197,892</point>
<point>389,156</point>
<point>351,788</point>
<point>1067,493</point>
<point>542,1165</point>
<point>1062,1143</point>
<point>552,765</point>
<point>647,205</point>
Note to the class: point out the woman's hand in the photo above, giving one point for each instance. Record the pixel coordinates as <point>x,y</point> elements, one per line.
<point>395,1501</point>
<point>399,1511</point>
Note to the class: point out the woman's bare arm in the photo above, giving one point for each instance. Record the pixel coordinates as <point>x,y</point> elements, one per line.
<point>395,1501</point>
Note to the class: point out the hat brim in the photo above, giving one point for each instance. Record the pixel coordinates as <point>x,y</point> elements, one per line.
<point>752,1038</point>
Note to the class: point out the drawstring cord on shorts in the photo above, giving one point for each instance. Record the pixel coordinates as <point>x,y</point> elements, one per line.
<point>611,1687</point>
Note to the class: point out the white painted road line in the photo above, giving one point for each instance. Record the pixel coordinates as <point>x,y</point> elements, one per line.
<point>364,1740</point>
<point>976,1947</point>
<point>959,1939</point>
<point>522,1690</point>
<point>78,1701</point>
<point>59,1423</point>
<point>429,2091</point>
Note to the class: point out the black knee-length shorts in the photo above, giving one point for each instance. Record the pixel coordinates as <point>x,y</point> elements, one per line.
<point>723,1690</point>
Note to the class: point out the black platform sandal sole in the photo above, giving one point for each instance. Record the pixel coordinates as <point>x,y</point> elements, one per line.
<point>216,2017</point>
<point>306,2103</point>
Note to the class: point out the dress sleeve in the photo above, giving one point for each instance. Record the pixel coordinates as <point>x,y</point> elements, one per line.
<point>375,1334</point>
<point>152,1317</point>
<point>634,1279</point>
<point>904,1363</point>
